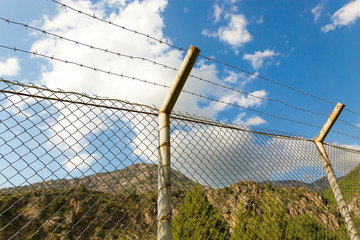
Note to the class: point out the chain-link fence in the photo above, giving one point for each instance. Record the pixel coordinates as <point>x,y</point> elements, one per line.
<point>81,167</point>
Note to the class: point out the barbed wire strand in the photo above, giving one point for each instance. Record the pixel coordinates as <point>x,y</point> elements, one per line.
<point>27,26</point>
<point>165,86</point>
<point>84,66</point>
<point>93,16</point>
<point>155,84</point>
<point>187,117</point>
<point>266,113</point>
<point>94,97</point>
<point>349,124</point>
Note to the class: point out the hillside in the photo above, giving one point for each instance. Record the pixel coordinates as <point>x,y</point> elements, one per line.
<point>349,186</point>
<point>123,206</point>
<point>137,177</point>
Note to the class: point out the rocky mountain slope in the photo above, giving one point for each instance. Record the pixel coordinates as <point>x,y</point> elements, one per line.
<point>137,177</point>
<point>122,205</point>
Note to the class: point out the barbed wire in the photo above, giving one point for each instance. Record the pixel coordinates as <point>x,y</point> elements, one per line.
<point>353,149</point>
<point>27,26</point>
<point>349,124</point>
<point>154,113</point>
<point>84,66</point>
<point>249,109</point>
<point>117,25</point>
<point>92,97</point>
<point>267,132</point>
<point>165,86</point>
<point>93,16</point>
<point>30,85</point>
<point>266,113</point>
<point>156,84</point>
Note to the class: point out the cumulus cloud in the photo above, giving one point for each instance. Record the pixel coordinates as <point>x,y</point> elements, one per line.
<point>257,59</point>
<point>218,11</point>
<point>252,121</point>
<point>144,16</point>
<point>238,78</point>
<point>234,33</point>
<point>318,10</point>
<point>346,15</point>
<point>10,67</point>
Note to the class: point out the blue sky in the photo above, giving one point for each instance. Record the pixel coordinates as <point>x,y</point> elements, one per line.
<point>308,45</point>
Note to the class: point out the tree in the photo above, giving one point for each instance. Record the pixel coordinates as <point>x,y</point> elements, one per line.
<point>263,220</point>
<point>197,219</point>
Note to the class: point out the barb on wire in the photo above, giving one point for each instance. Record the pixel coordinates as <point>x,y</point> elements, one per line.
<point>84,66</point>
<point>258,97</point>
<point>265,113</point>
<point>93,16</point>
<point>250,109</point>
<point>163,65</point>
<point>27,26</point>
<point>88,45</point>
<point>195,119</point>
<point>162,85</point>
<point>156,84</point>
<point>43,88</point>
<point>349,124</point>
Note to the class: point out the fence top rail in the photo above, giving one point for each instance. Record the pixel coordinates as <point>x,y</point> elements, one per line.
<point>97,101</point>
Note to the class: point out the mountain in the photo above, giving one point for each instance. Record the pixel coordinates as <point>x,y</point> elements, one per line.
<point>297,201</point>
<point>317,186</point>
<point>119,204</point>
<point>139,177</point>
<point>122,205</point>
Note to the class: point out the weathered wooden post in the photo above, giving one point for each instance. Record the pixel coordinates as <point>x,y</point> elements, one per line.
<point>343,208</point>
<point>164,169</point>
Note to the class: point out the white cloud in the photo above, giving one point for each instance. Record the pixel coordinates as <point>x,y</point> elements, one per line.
<point>234,33</point>
<point>317,11</point>
<point>252,121</point>
<point>257,59</point>
<point>260,19</point>
<point>234,77</point>
<point>239,79</point>
<point>245,100</point>
<point>218,11</point>
<point>346,15</point>
<point>218,157</point>
<point>144,16</point>
<point>10,67</point>
<point>78,162</point>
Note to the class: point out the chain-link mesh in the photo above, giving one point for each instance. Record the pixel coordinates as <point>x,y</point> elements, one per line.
<point>75,167</point>
<point>80,167</point>
<point>257,185</point>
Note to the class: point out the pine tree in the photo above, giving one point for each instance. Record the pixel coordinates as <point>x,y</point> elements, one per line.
<point>197,219</point>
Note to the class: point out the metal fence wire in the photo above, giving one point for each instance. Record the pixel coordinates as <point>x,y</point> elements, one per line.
<point>80,167</point>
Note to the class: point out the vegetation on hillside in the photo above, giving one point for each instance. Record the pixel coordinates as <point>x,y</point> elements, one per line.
<point>244,210</point>
<point>197,219</point>
<point>349,186</point>
<point>77,213</point>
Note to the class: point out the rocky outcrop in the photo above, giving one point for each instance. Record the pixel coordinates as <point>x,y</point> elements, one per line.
<point>253,196</point>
